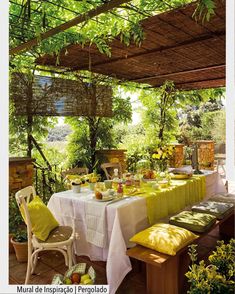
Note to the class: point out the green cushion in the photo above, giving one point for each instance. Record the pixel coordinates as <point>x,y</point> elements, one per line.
<point>218,209</point>
<point>228,198</point>
<point>193,221</point>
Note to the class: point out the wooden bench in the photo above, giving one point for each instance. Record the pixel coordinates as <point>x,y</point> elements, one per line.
<point>165,274</point>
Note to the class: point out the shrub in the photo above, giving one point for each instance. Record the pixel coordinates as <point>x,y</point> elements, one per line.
<point>218,276</point>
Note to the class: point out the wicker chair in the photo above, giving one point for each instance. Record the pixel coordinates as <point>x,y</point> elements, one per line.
<point>60,239</point>
<point>109,167</point>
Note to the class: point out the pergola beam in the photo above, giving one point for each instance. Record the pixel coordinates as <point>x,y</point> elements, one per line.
<point>212,83</point>
<point>169,75</point>
<point>75,21</point>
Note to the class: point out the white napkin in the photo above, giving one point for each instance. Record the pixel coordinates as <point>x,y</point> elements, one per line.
<point>96,224</point>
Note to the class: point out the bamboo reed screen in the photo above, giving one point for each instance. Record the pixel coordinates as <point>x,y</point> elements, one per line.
<point>49,96</point>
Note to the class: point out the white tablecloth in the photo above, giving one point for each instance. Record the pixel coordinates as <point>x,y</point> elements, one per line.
<point>123,219</point>
<point>214,184</point>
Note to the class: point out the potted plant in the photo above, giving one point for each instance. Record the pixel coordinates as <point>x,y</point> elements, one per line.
<point>216,277</point>
<point>93,179</point>
<point>20,244</point>
<point>15,220</point>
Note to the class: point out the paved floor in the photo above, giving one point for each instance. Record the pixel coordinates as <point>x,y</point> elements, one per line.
<point>52,262</point>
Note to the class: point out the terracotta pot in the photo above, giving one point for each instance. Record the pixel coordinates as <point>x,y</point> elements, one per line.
<point>21,250</point>
<point>11,248</point>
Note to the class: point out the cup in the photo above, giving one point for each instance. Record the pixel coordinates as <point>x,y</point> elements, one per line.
<point>76,188</point>
<point>92,186</point>
<point>108,184</point>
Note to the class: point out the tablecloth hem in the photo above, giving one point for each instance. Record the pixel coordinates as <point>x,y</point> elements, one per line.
<point>118,283</point>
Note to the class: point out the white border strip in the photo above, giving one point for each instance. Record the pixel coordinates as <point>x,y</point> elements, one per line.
<point>230,91</point>
<point>4,145</point>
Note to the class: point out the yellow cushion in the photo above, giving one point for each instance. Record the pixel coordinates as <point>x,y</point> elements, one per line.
<point>42,220</point>
<point>164,238</point>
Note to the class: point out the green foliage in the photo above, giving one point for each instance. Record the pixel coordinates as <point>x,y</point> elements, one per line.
<point>205,9</point>
<point>18,131</point>
<point>93,133</point>
<point>218,131</point>
<point>53,154</point>
<point>223,258</point>
<point>205,120</point>
<point>218,276</point>
<point>21,236</point>
<point>15,218</point>
<point>159,113</point>
<point>29,19</point>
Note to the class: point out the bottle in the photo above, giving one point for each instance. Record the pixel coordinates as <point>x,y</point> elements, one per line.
<point>128,179</point>
<point>137,181</point>
<point>115,179</point>
<point>120,189</point>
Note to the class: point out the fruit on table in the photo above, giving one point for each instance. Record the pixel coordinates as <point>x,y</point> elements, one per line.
<point>149,174</point>
<point>98,195</point>
<point>88,282</point>
<point>84,278</point>
<point>67,281</point>
<point>75,278</point>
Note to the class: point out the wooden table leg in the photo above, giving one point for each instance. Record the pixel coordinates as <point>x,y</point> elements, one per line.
<point>226,228</point>
<point>164,279</point>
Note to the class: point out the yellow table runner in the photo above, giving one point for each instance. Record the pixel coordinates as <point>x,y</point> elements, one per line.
<point>163,202</point>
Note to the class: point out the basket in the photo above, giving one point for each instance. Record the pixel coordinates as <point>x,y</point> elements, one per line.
<point>80,269</point>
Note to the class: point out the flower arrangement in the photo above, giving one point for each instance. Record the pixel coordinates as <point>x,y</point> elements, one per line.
<point>76,180</point>
<point>161,155</point>
<point>93,178</point>
<point>73,180</point>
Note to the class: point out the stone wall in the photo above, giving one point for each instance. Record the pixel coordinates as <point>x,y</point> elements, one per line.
<point>206,154</point>
<point>20,173</point>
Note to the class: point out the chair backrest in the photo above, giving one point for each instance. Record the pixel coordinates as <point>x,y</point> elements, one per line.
<point>75,171</point>
<point>109,167</point>
<point>23,197</point>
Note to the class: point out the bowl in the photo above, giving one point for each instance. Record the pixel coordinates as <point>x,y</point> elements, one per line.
<point>77,274</point>
<point>155,186</point>
<point>163,184</point>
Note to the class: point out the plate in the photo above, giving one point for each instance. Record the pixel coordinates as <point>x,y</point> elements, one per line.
<point>105,199</point>
<point>148,180</point>
<point>181,176</point>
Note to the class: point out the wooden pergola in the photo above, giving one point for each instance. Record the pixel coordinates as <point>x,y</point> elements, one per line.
<point>175,47</point>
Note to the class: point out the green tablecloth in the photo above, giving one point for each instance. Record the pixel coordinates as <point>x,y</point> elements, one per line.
<point>181,193</point>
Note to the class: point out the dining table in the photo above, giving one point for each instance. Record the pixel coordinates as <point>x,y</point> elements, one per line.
<point>105,227</point>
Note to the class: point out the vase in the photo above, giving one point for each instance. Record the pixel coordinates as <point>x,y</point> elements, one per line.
<point>92,186</point>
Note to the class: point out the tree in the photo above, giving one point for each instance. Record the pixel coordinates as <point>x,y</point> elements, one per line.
<point>92,133</point>
<point>199,120</point>
<point>160,112</point>
<point>18,131</point>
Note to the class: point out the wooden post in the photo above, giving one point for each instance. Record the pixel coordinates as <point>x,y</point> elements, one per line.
<point>29,135</point>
